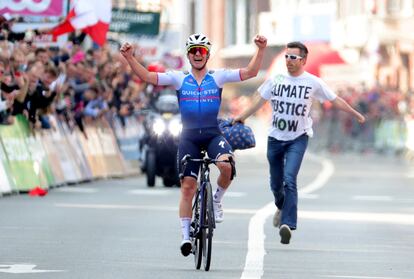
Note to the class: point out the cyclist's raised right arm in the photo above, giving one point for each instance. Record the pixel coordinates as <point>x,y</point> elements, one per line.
<point>127,52</point>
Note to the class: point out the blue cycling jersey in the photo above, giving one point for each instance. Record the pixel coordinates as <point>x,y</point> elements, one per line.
<point>199,103</point>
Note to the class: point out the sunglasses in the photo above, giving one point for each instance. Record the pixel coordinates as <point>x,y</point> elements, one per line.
<point>201,50</point>
<point>293,56</point>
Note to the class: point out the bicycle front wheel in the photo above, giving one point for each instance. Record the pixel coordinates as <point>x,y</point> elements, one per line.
<point>197,234</point>
<point>208,228</point>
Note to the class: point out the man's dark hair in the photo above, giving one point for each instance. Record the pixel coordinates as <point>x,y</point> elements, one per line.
<point>52,71</point>
<point>303,49</point>
<point>40,50</point>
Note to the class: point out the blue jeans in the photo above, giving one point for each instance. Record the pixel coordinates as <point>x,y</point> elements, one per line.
<point>285,158</point>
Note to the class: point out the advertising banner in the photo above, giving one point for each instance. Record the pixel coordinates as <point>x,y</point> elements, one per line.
<point>23,169</point>
<point>39,156</point>
<point>53,157</point>
<point>76,150</point>
<point>112,155</point>
<point>34,7</point>
<point>5,186</point>
<point>66,160</point>
<point>135,23</point>
<point>128,137</point>
<point>93,152</point>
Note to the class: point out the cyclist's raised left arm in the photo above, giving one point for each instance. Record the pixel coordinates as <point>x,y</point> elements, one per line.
<point>254,65</point>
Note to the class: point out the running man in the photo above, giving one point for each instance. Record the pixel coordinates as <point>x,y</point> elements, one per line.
<point>291,95</point>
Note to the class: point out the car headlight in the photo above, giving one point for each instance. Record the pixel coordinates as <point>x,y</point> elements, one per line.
<point>158,127</point>
<point>175,127</point>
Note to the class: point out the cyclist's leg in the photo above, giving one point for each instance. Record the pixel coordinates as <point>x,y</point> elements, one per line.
<point>219,148</point>
<point>188,189</point>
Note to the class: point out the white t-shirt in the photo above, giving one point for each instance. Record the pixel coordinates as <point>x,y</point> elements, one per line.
<point>291,100</point>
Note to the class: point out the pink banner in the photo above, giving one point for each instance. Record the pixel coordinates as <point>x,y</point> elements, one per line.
<point>34,7</point>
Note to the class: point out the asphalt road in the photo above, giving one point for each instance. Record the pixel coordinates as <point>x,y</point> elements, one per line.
<point>356,220</point>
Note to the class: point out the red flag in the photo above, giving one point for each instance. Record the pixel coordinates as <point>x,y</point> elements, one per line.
<point>90,16</point>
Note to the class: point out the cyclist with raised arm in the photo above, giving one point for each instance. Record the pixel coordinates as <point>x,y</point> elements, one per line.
<point>199,95</point>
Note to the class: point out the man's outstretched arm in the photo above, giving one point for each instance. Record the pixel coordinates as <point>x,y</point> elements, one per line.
<point>258,102</point>
<point>343,105</point>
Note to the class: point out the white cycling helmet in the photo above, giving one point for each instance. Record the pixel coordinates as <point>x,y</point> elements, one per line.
<point>198,40</point>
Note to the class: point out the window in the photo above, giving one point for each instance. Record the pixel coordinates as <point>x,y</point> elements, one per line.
<point>237,22</point>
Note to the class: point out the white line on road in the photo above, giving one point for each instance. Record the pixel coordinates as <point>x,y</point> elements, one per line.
<point>115,206</point>
<point>372,198</point>
<point>163,192</point>
<point>356,277</point>
<point>23,268</point>
<point>77,190</point>
<point>235,194</point>
<point>390,218</point>
<point>254,228</point>
<point>253,268</point>
<point>327,171</point>
<point>308,196</point>
<point>369,217</point>
<point>150,192</point>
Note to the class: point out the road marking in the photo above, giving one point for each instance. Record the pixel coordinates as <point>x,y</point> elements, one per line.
<point>327,171</point>
<point>145,207</point>
<point>253,268</point>
<point>23,268</point>
<point>151,192</point>
<point>308,196</point>
<point>115,206</point>
<point>159,192</point>
<point>356,277</point>
<point>372,198</point>
<point>389,218</point>
<point>77,190</point>
<point>230,194</point>
<point>265,212</point>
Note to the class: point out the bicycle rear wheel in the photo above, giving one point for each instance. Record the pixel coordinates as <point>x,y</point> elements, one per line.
<point>208,228</point>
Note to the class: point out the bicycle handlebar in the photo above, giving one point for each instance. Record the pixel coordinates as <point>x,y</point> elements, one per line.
<point>206,160</point>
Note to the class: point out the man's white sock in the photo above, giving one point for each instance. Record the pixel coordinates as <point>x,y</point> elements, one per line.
<point>185,227</point>
<point>218,196</point>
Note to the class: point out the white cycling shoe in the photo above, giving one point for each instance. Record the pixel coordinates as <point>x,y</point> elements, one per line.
<point>218,212</point>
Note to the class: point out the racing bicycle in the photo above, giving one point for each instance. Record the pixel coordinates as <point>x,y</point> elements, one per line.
<point>203,222</point>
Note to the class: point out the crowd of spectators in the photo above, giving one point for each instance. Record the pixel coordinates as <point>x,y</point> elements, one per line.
<point>75,84</point>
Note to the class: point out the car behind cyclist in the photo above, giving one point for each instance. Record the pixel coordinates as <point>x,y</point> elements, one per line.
<point>199,94</point>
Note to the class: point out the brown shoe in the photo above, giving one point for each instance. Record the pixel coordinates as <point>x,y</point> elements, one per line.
<point>285,234</point>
